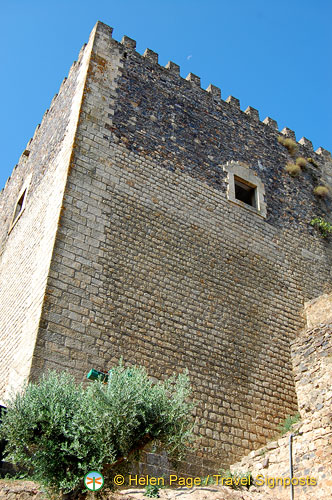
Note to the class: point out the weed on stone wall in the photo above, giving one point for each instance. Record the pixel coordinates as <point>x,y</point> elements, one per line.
<point>289,144</point>
<point>287,424</point>
<point>293,169</point>
<point>236,480</point>
<point>324,227</point>
<point>301,162</point>
<point>321,191</point>
<point>152,491</point>
<point>312,161</point>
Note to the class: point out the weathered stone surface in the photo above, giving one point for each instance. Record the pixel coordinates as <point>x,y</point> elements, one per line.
<point>26,248</point>
<point>319,311</point>
<point>20,490</point>
<point>312,441</point>
<point>128,246</point>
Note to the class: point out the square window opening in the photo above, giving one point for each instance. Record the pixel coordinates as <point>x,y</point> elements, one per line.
<point>245,192</point>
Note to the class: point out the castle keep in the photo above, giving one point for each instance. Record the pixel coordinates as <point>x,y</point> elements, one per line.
<point>150,219</point>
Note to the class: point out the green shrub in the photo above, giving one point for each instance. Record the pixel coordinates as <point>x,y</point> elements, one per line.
<point>151,491</point>
<point>61,431</point>
<point>48,431</point>
<point>287,424</point>
<point>324,227</point>
<point>235,479</point>
<point>208,480</point>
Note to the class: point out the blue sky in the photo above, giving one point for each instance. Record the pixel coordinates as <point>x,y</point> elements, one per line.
<point>274,56</point>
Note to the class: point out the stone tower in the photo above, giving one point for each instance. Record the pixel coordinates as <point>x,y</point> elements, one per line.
<point>149,219</point>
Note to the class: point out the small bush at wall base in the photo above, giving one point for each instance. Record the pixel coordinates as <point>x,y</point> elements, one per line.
<point>293,169</point>
<point>61,431</point>
<point>151,491</point>
<point>287,424</point>
<point>324,227</point>
<point>321,191</point>
<point>208,480</point>
<point>236,480</point>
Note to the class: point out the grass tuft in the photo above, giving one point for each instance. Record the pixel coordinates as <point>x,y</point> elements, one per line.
<point>321,191</point>
<point>301,162</point>
<point>288,143</point>
<point>288,423</point>
<point>312,161</point>
<point>293,169</point>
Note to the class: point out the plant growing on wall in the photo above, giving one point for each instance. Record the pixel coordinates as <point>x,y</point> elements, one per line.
<point>288,423</point>
<point>321,191</point>
<point>60,431</point>
<point>301,162</point>
<point>324,227</point>
<point>152,491</point>
<point>312,161</point>
<point>236,480</point>
<point>289,144</point>
<point>293,169</point>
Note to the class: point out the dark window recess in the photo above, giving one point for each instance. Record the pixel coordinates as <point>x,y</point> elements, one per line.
<point>19,205</point>
<point>245,192</point>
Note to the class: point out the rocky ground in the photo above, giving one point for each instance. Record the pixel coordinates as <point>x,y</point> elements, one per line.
<point>20,490</point>
<point>27,490</point>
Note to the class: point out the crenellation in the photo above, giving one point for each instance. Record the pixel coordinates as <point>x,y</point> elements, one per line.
<point>81,53</point>
<point>151,56</point>
<point>324,153</point>
<point>270,123</point>
<point>44,117</point>
<point>53,100</point>
<point>194,79</point>
<point>140,251</point>
<point>173,68</point>
<point>287,132</point>
<point>129,43</point>
<point>215,91</point>
<point>101,27</point>
<point>252,112</point>
<point>36,132</point>
<point>72,69</point>
<point>306,143</point>
<point>63,83</point>
<point>233,101</point>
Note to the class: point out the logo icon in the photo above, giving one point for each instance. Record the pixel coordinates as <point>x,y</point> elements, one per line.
<point>94,480</point>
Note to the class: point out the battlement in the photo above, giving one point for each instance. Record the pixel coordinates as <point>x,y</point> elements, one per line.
<point>129,44</point>
<point>160,225</point>
<point>21,162</point>
<point>215,92</point>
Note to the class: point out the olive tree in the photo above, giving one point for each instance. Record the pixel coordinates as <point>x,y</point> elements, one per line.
<point>59,430</point>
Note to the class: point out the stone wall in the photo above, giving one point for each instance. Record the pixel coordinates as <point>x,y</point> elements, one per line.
<point>312,443</point>
<point>153,263</point>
